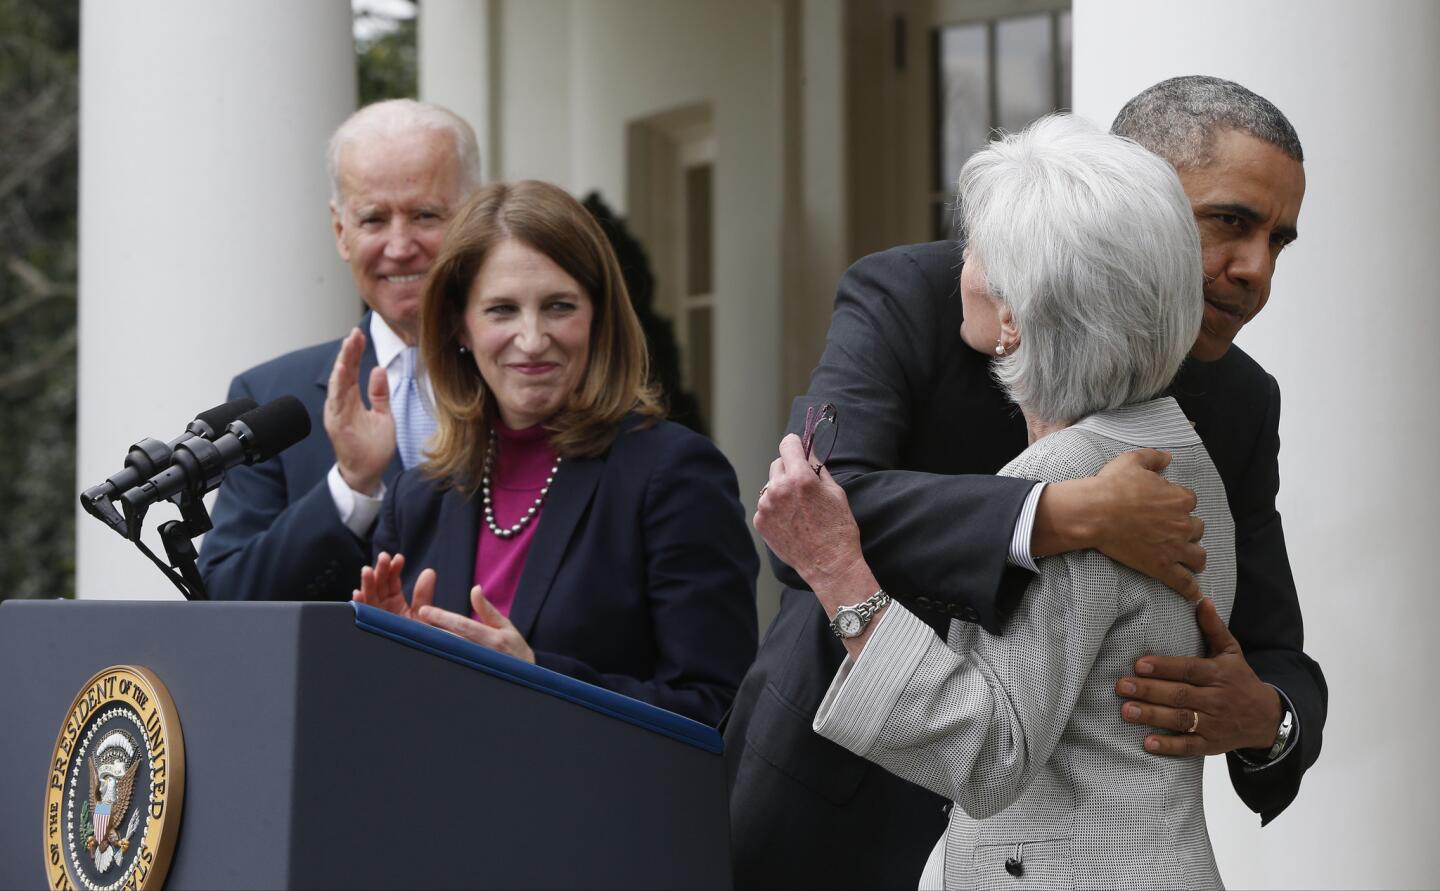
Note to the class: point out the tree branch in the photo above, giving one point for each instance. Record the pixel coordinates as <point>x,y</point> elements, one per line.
<point>59,352</point>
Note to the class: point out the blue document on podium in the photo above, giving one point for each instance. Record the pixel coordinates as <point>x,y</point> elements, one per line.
<point>456,649</point>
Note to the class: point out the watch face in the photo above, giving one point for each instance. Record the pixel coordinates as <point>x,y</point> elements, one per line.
<point>848,621</point>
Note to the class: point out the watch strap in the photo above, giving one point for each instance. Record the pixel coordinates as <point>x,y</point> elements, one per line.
<point>865,609</point>
<point>1257,759</point>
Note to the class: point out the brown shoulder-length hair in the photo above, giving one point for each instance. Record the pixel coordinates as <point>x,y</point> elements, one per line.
<point>615,381</point>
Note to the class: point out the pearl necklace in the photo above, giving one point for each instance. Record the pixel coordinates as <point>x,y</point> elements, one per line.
<point>501,532</point>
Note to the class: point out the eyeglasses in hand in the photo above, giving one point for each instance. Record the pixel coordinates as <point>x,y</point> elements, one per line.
<point>818,438</point>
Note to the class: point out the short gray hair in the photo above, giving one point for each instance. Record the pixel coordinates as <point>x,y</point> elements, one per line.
<point>392,117</point>
<point>1089,239</point>
<point>1178,119</point>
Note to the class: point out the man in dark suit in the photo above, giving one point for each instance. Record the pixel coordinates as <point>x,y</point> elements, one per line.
<point>298,526</point>
<point>921,423</point>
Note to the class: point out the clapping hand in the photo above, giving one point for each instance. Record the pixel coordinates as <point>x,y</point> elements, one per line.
<point>380,587</point>
<point>363,438</point>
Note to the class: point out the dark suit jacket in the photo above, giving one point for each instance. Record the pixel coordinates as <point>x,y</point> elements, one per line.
<point>277,534</point>
<point>914,401</point>
<point>640,578</point>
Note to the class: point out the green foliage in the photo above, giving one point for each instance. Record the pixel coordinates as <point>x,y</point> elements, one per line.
<point>39,169</point>
<point>387,67</point>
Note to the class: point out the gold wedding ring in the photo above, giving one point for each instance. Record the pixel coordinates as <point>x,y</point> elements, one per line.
<point>1194,721</point>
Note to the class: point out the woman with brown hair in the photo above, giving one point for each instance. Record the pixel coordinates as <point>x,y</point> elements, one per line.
<point>558,519</point>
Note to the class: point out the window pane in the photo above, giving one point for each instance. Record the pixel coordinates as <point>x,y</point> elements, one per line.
<point>1024,71</point>
<point>964,89</point>
<point>697,229</point>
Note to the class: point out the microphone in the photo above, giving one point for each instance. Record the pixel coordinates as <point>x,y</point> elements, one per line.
<point>150,456</point>
<point>198,464</point>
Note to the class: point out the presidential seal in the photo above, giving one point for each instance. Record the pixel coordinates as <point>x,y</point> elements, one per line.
<point>117,782</point>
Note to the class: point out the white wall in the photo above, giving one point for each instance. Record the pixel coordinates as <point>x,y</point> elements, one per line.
<point>453,62</point>
<point>205,242</point>
<point>1349,333</point>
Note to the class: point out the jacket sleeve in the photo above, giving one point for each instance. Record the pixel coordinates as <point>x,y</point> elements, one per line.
<point>700,588</point>
<point>976,723</point>
<point>884,345</point>
<point>1268,624</point>
<point>267,547</point>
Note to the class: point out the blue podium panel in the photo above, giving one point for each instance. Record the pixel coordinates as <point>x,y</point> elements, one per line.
<point>331,746</point>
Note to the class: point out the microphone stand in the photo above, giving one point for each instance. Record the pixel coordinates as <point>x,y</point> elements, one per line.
<point>176,536</point>
<point>179,547</point>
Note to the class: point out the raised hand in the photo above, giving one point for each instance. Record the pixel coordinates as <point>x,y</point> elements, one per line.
<point>805,518</point>
<point>380,587</point>
<point>363,439</point>
<point>1215,704</point>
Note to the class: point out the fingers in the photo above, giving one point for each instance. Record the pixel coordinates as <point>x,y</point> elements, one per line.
<point>1180,745</point>
<point>424,592</point>
<point>379,390</point>
<point>388,571</point>
<point>1180,741</point>
<point>1193,557</point>
<point>792,455</point>
<point>1181,580</point>
<point>1153,460</point>
<point>1192,670</point>
<point>1217,636</point>
<point>1178,720</point>
<point>345,375</point>
<point>1169,694</point>
<point>777,472</point>
<point>461,626</point>
<point>486,610</point>
<point>1197,530</point>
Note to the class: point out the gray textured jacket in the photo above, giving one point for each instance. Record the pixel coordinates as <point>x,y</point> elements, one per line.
<point>1023,731</point>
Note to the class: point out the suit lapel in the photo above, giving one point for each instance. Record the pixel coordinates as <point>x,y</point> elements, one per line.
<point>453,554</point>
<point>569,498</point>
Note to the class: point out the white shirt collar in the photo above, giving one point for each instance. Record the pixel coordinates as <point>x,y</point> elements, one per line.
<point>388,345</point>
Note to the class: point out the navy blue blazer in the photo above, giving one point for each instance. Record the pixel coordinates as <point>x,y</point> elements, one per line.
<point>277,534</point>
<point>922,425</point>
<point>640,578</point>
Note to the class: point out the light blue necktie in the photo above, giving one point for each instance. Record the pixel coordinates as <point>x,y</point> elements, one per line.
<point>413,424</point>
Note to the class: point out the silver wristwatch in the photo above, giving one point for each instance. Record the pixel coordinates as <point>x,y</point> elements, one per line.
<point>850,621</point>
<point>1282,739</point>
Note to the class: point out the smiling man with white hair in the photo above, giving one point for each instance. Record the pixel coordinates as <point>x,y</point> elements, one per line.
<point>298,526</point>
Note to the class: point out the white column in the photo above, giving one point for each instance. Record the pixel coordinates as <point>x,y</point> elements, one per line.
<point>205,242</point>
<point>454,40</point>
<point>1350,334</point>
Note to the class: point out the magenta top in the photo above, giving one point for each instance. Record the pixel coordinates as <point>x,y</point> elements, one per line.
<point>522,463</point>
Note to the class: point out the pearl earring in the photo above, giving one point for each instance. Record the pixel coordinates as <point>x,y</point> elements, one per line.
<point>999,347</point>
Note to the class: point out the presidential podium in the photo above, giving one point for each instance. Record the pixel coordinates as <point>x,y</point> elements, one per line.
<point>336,746</point>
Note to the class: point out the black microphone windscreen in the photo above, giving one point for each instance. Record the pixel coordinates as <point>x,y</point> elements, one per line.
<point>277,425</point>
<point>219,417</point>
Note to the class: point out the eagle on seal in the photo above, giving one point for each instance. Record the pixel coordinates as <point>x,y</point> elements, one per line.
<point>110,786</point>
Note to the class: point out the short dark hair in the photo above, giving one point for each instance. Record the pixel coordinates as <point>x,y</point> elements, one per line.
<point>1178,119</point>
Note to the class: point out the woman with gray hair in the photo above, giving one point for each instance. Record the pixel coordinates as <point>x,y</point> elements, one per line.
<point>1082,278</point>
